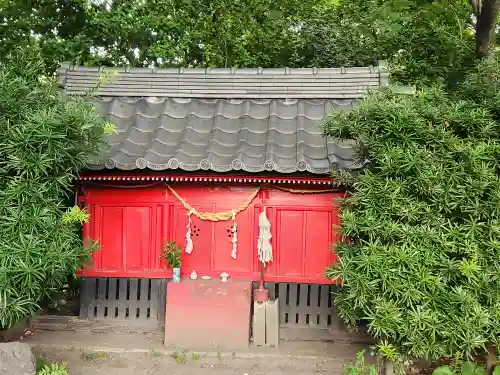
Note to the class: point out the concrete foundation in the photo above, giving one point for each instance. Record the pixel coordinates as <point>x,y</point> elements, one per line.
<point>266,324</point>
<point>259,324</point>
<point>272,323</point>
<point>208,313</point>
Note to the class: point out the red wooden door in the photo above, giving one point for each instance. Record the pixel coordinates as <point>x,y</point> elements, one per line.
<point>131,229</point>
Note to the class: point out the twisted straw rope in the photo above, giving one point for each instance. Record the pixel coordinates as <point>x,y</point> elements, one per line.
<point>223,215</point>
<point>302,191</point>
<point>215,216</point>
<point>277,187</point>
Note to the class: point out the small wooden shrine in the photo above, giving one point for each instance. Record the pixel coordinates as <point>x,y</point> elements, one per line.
<point>233,166</point>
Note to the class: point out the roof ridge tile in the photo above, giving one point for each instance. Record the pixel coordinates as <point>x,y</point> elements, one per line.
<point>68,67</point>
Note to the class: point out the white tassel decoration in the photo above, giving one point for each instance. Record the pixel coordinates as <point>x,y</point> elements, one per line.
<point>189,241</point>
<point>234,238</point>
<point>264,247</point>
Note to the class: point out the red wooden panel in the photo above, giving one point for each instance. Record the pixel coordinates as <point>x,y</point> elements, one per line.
<point>133,224</point>
<point>336,237</point>
<point>200,258</point>
<point>137,249</point>
<point>212,244</point>
<point>162,232</point>
<point>118,196</point>
<point>111,238</point>
<point>317,254</point>
<point>222,260</point>
<point>87,230</point>
<point>290,242</point>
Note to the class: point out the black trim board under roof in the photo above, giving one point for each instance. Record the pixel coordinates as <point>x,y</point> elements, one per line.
<point>223,120</point>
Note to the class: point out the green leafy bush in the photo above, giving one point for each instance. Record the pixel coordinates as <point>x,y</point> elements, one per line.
<point>359,366</point>
<point>467,368</point>
<point>47,137</point>
<point>422,40</point>
<point>53,369</point>
<point>171,253</point>
<point>421,257</point>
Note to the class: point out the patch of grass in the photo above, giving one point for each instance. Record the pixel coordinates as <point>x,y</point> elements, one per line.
<point>180,358</point>
<point>94,356</point>
<point>39,364</point>
<point>155,354</point>
<point>53,369</point>
<point>195,356</point>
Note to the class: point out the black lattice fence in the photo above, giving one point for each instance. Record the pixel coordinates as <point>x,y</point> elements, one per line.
<point>303,304</point>
<point>123,298</point>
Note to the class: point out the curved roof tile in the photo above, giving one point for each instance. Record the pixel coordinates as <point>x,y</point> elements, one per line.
<point>224,119</point>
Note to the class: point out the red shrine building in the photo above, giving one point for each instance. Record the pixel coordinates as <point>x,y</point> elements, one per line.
<point>197,157</point>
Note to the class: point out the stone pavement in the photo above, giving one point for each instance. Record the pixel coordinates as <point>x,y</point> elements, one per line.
<point>82,362</point>
<point>118,353</point>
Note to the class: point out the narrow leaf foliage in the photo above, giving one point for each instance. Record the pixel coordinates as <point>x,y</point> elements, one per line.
<point>46,138</point>
<point>421,257</point>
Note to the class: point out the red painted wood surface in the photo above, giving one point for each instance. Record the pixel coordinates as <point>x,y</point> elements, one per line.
<point>131,224</point>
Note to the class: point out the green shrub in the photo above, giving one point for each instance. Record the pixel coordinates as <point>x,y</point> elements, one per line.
<point>359,366</point>
<point>466,368</point>
<point>171,253</point>
<point>53,369</point>
<point>421,257</point>
<point>47,138</point>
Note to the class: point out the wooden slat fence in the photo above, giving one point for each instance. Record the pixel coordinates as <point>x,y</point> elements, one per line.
<point>303,304</point>
<point>122,298</point>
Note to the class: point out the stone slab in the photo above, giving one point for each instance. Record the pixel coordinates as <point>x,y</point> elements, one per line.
<point>259,324</point>
<point>272,323</point>
<point>16,358</point>
<point>208,313</point>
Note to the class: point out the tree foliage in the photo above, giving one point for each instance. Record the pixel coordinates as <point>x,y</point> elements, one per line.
<point>47,138</point>
<point>422,261</point>
<point>214,33</point>
<point>423,40</point>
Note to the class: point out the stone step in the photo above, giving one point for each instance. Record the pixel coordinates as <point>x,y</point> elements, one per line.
<point>74,323</point>
<point>144,342</point>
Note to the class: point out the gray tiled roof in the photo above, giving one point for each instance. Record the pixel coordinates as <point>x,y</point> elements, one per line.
<point>304,83</point>
<point>225,120</point>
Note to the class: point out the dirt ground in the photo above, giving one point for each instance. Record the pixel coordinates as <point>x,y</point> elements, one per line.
<point>81,362</point>
<point>105,349</point>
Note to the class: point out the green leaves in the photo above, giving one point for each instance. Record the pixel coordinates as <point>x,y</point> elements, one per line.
<point>467,368</point>
<point>200,33</point>
<point>359,366</point>
<point>53,369</point>
<point>444,370</point>
<point>471,368</point>
<point>424,41</point>
<point>47,139</point>
<point>171,253</point>
<point>76,215</point>
<point>421,263</point>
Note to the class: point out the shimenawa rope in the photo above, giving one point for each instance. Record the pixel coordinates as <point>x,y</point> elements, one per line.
<point>224,215</point>
<point>215,216</point>
<point>265,249</point>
